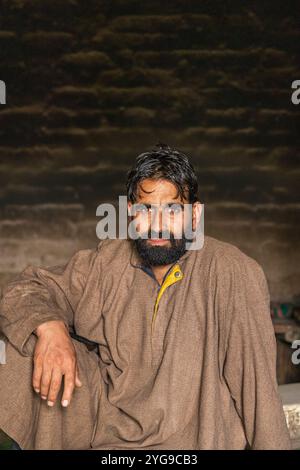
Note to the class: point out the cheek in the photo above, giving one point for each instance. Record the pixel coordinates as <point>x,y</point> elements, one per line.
<point>143,222</point>
<point>180,226</point>
<point>177,225</point>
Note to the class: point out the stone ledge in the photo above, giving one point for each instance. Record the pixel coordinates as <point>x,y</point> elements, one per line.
<point>290,394</point>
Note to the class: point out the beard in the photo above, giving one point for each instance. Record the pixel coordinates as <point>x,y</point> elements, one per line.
<point>161,255</point>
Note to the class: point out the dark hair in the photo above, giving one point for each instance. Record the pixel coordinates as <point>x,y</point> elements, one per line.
<point>163,162</point>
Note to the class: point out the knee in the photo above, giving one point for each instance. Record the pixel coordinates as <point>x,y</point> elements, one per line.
<point>27,349</point>
<point>13,363</point>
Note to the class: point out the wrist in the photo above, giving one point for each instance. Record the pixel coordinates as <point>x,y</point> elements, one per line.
<point>49,326</point>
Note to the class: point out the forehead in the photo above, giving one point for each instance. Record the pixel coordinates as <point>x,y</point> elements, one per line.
<point>151,190</point>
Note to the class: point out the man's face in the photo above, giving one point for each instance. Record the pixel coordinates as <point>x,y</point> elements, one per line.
<point>159,207</point>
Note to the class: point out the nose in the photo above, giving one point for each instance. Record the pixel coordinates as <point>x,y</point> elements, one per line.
<point>157,221</point>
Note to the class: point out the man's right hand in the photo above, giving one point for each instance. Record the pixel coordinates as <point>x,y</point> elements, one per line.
<point>54,357</point>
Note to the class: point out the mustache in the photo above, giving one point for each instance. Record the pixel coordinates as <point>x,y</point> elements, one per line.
<point>160,235</point>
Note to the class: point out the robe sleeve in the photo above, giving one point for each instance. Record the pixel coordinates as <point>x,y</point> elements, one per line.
<point>250,358</point>
<point>38,295</point>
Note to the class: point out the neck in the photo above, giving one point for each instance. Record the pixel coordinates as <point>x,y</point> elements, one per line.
<point>160,271</point>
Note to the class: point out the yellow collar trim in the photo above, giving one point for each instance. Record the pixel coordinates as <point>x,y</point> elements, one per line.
<point>174,275</point>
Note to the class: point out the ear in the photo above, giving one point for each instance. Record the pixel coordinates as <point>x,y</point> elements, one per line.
<point>129,205</point>
<point>197,211</point>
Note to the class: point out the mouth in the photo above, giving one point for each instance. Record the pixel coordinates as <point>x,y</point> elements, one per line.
<point>158,241</point>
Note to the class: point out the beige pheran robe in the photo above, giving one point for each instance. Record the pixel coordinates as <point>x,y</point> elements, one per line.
<point>201,376</point>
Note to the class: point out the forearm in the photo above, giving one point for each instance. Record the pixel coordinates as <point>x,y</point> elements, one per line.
<point>40,295</point>
<point>29,301</point>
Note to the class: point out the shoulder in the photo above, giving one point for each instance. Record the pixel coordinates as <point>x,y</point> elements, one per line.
<point>114,250</point>
<point>228,258</point>
<point>234,271</point>
<point>238,277</point>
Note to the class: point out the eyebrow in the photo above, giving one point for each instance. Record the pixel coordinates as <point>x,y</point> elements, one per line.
<point>166,204</point>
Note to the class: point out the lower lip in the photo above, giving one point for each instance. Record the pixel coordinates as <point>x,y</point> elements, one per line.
<point>158,241</point>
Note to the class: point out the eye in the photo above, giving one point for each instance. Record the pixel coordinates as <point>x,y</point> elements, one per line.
<point>174,209</point>
<point>177,209</point>
<point>141,209</point>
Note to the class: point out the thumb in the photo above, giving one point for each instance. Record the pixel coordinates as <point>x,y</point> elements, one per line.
<point>78,382</point>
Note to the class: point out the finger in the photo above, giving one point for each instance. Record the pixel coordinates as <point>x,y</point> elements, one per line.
<point>37,374</point>
<point>45,382</point>
<point>55,384</point>
<point>78,382</point>
<point>69,383</point>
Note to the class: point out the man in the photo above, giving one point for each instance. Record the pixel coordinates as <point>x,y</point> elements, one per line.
<point>186,348</point>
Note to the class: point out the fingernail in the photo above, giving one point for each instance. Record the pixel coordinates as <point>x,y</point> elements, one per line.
<point>50,403</point>
<point>43,397</point>
<point>37,390</point>
<point>65,403</point>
